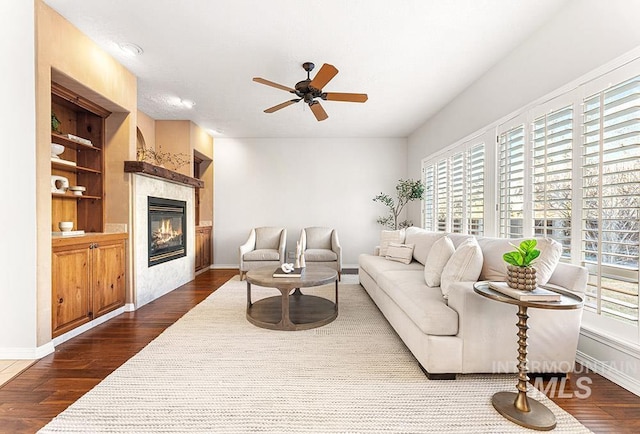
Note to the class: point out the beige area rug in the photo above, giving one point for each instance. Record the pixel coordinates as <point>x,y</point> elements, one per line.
<point>214,372</point>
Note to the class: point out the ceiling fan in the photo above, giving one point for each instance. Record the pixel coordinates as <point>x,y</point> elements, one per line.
<point>309,90</point>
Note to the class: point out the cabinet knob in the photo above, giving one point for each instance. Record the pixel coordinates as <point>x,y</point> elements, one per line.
<point>60,300</point>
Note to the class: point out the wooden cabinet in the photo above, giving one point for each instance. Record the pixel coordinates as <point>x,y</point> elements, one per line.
<point>203,247</point>
<point>88,279</point>
<point>81,132</point>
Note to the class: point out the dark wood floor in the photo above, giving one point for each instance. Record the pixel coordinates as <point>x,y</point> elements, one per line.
<point>45,389</point>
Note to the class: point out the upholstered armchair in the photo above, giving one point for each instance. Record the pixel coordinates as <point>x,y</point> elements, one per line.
<point>321,246</point>
<point>264,247</point>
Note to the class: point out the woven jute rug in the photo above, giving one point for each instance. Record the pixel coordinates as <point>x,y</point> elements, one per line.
<point>214,372</point>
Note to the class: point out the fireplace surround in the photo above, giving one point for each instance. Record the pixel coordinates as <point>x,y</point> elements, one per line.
<point>167,230</point>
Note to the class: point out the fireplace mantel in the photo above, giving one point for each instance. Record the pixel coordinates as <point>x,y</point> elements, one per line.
<point>160,172</point>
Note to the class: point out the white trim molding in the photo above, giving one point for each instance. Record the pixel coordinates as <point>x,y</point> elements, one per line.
<point>614,359</point>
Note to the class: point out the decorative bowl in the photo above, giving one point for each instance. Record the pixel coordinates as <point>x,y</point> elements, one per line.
<point>56,150</point>
<point>65,226</point>
<point>77,189</point>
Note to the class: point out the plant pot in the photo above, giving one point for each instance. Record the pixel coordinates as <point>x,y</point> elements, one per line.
<point>521,277</point>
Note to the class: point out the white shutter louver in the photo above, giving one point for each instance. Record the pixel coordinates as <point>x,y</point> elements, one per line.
<point>552,140</point>
<point>611,200</point>
<point>511,182</point>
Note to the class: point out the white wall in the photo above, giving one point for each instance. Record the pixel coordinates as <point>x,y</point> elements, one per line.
<point>583,36</point>
<point>303,182</point>
<point>17,121</point>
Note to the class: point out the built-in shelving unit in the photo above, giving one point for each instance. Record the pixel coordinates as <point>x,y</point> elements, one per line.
<point>81,163</point>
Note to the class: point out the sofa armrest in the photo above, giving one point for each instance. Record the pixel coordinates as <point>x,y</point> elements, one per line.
<point>571,277</point>
<point>336,247</point>
<point>248,246</point>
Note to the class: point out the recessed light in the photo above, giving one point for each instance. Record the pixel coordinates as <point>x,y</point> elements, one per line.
<point>187,103</point>
<point>131,49</point>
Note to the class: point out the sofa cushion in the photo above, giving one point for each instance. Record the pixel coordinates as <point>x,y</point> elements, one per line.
<point>400,252</point>
<point>437,258</point>
<point>318,238</point>
<point>268,238</point>
<point>320,255</point>
<point>423,305</point>
<point>494,267</point>
<point>422,240</point>
<point>374,265</point>
<point>464,265</point>
<point>387,237</point>
<point>262,255</point>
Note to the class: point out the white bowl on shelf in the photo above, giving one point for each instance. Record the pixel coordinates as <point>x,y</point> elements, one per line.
<point>65,226</point>
<point>56,150</point>
<point>77,189</point>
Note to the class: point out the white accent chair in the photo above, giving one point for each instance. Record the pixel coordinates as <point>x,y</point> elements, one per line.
<point>321,246</point>
<point>264,247</point>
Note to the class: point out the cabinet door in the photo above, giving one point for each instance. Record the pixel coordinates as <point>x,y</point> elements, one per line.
<point>203,247</point>
<point>206,253</point>
<point>71,289</point>
<point>108,277</point>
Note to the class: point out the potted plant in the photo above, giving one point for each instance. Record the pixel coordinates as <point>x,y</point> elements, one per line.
<point>520,272</point>
<point>406,190</point>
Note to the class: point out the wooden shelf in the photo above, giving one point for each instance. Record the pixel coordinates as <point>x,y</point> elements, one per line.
<point>68,143</point>
<point>73,196</point>
<point>73,169</point>
<point>161,172</point>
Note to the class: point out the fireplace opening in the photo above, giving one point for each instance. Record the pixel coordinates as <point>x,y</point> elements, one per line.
<point>167,229</point>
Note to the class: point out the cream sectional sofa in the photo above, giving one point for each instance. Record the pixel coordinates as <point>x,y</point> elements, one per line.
<point>459,331</point>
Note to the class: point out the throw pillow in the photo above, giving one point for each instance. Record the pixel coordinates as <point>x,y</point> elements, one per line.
<point>387,237</point>
<point>494,267</point>
<point>400,252</point>
<point>464,265</point>
<point>437,258</point>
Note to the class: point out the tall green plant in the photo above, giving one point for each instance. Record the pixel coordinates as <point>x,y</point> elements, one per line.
<point>407,190</point>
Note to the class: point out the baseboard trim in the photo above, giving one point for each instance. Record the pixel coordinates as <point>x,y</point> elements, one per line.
<point>620,378</point>
<point>26,353</point>
<point>91,324</point>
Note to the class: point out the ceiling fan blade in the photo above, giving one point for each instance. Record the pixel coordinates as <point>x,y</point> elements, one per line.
<point>346,97</point>
<point>318,111</point>
<point>272,84</point>
<point>324,76</point>
<point>281,106</point>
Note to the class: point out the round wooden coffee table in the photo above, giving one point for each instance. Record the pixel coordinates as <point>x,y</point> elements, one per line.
<point>292,310</point>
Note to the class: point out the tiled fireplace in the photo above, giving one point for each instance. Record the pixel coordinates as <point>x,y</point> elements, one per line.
<point>163,236</point>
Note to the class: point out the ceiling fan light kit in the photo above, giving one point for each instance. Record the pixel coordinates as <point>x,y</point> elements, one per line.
<point>311,90</point>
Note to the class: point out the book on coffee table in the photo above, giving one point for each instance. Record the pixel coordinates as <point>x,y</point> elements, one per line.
<point>538,294</point>
<point>297,272</point>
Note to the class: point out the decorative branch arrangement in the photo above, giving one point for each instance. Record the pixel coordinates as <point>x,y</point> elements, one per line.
<point>162,159</point>
<point>407,190</point>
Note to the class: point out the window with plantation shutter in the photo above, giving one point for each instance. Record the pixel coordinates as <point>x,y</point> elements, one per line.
<point>428,180</point>
<point>456,188</point>
<point>442,196</point>
<point>475,190</point>
<point>454,198</point>
<point>511,182</point>
<point>552,143</point>
<point>611,200</point>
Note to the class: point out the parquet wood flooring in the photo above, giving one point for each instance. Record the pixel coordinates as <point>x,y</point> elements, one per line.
<point>31,399</point>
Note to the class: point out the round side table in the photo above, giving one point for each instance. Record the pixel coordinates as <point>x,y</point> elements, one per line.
<point>516,406</point>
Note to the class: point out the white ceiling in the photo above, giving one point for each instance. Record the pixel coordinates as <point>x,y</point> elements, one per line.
<point>410,56</point>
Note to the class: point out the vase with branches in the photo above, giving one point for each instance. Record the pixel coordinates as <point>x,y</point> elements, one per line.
<point>407,190</point>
